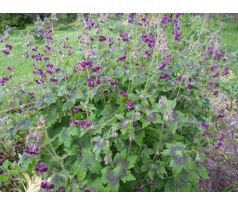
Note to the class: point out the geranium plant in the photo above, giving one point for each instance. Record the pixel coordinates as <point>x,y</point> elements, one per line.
<point>123,106</point>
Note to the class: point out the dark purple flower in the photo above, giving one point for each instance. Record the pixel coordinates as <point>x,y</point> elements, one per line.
<point>9,69</point>
<point>98,80</point>
<point>39,72</point>
<point>75,109</point>
<point>41,167</point>
<point>131,18</point>
<point>162,65</point>
<point>37,57</point>
<point>216,75</point>
<point>61,189</point>
<point>114,84</point>
<point>129,105</point>
<point>90,82</point>
<point>151,43</point>
<point>144,21</point>
<point>204,125</point>
<point>49,65</point>
<point>6,52</point>
<point>57,70</point>
<point>149,40</point>
<point>122,58</point>
<point>74,122</point>
<point>119,14</point>
<point>132,15</point>
<point>220,116</point>
<point>124,36</point>
<point>96,69</point>
<point>150,184</point>
<point>164,75</point>
<point>70,51</point>
<point>85,124</point>
<point>34,48</point>
<point>89,23</point>
<point>8,47</point>
<point>31,95</point>
<point>4,80</point>
<point>46,59</point>
<point>53,80</point>
<point>47,48</point>
<point>41,81</point>
<point>176,33</point>
<point>216,93</point>
<point>88,190</point>
<point>168,59</point>
<point>32,149</point>
<point>177,15</point>
<point>47,185</point>
<point>147,54</point>
<point>213,68</point>
<point>86,64</point>
<point>218,54</point>
<point>220,141</point>
<point>145,38</point>
<point>225,71</point>
<point>165,19</point>
<point>50,71</point>
<point>123,93</point>
<point>47,36</point>
<point>139,188</point>
<point>206,133</point>
<point>176,29</point>
<point>102,38</point>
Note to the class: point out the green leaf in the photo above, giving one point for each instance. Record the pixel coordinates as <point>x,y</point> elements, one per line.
<point>173,127</point>
<point>98,144</point>
<point>68,105</point>
<point>52,115</point>
<point>73,131</point>
<point>49,98</point>
<point>128,177</point>
<point>65,138</point>
<point>3,178</point>
<point>139,137</point>
<point>62,90</point>
<point>97,185</point>
<point>203,173</point>
<point>174,148</point>
<point>131,161</point>
<point>79,171</point>
<point>176,185</point>
<point>90,161</point>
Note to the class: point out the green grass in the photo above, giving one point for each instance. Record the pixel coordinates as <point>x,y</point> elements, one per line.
<point>23,67</point>
<point>229,38</point>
